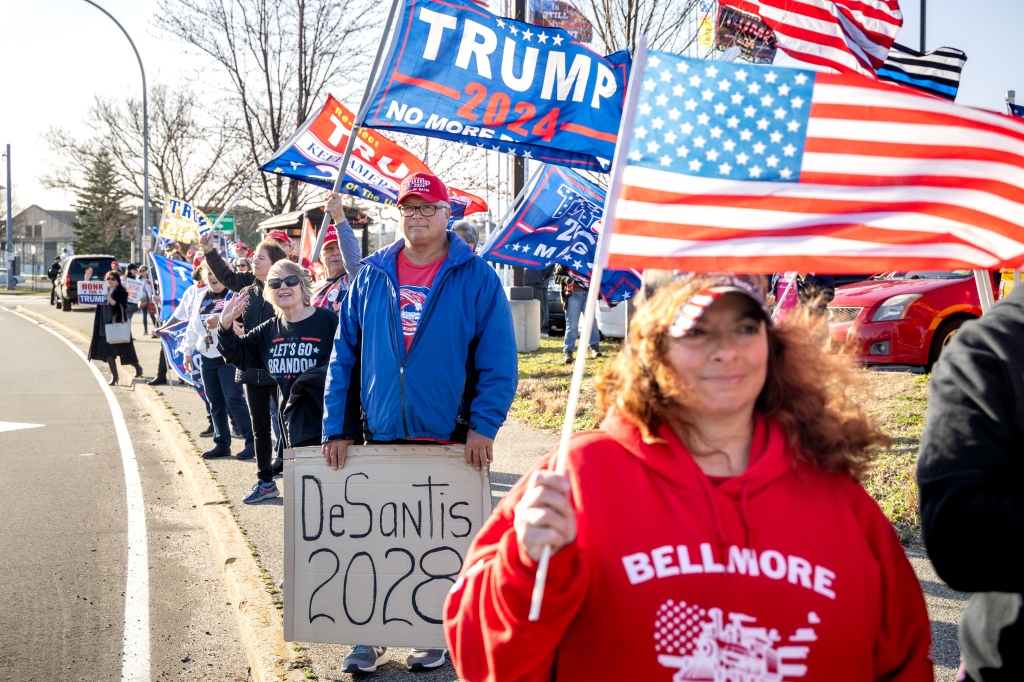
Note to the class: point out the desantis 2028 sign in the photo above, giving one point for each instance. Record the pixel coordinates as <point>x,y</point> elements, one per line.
<point>457,72</point>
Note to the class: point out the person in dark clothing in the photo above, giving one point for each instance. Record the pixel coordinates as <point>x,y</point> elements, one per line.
<point>259,387</point>
<point>295,340</point>
<point>970,474</point>
<point>52,274</point>
<point>116,310</point>
<point>539,280</point>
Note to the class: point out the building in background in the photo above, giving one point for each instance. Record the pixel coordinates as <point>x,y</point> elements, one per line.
<point>38,235</point>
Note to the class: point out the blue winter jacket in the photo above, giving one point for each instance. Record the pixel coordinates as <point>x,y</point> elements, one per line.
<point>461,369</point>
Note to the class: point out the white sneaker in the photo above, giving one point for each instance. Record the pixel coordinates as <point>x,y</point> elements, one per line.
<point>425,659</point>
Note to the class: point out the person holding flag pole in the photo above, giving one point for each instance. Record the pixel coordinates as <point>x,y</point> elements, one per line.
<point>713,526</point>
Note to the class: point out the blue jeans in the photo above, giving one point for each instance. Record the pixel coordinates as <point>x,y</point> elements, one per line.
<point>223,395</point>
<point>574,318</point>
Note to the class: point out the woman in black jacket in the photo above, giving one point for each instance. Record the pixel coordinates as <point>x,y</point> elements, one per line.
<point>259,387</point>
<point>116,311</point>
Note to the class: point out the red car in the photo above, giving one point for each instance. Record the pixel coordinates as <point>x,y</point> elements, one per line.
<point>903,318</point>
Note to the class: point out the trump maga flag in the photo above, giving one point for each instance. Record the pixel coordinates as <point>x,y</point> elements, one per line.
<point>183,222</point>
<point>376,167</point>
<point>558,222</point>
<point>457,72</point>
<point>173,276</point>
<point>764,169</point>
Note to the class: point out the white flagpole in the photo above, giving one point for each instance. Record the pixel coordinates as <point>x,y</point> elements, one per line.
<point>619,163</point>
<point>789,285</point>
<point>354,130</point>
<point>234,200</point>
<point>984,282</point>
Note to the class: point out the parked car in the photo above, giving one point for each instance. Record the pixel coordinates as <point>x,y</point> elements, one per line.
<point>17,279</point>
<point>611,322</point>
<point>903,318</point>
<point>556,313</point>
<point>72,271</point>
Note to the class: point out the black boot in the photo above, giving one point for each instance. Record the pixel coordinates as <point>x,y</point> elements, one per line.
<point>112,364</point>
<point>138,371</point>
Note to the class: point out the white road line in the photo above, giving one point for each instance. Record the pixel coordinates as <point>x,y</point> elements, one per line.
<point>135,659</point>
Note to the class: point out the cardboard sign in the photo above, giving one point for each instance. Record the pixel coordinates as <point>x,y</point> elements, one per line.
<point>92,293</point>
<point>372,549</point>
<point>133,287</point>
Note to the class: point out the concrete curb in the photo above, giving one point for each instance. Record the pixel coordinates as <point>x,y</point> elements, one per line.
<point>259,622</point>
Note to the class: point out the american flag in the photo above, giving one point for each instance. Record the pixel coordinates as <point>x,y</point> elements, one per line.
<point>746,168</point>
<point>851,36</point>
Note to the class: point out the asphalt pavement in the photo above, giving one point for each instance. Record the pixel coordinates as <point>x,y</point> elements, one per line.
<point>516,449</point>
<point>65,543</point>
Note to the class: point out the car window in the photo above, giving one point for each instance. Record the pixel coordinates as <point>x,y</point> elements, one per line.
<point>100,266</point>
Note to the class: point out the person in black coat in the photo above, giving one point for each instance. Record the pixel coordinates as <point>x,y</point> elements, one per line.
<point>52,274</point>
<point>260,388</point>
<point>115,311</point>
<point>970,473</point>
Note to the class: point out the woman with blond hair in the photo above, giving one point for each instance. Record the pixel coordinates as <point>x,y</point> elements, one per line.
<point>713,528</point>
<point>293,347</point>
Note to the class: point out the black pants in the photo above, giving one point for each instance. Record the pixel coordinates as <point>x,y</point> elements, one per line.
<point>261,402</point>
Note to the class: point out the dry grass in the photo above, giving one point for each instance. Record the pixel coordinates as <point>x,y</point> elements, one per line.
<point>896,400</point>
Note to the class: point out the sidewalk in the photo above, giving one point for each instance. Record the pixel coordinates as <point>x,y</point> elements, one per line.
<point>516,449</point>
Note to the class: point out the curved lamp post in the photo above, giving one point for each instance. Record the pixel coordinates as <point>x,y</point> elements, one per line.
<point>145,122</point>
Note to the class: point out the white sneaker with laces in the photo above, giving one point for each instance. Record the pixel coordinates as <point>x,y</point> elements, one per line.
<point>425,659</point>
<point>365,659</point>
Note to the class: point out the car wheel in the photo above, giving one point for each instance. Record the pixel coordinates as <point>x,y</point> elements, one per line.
<point>943,335</point>
<point>65,305</point>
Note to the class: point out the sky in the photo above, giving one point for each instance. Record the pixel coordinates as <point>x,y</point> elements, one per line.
<point>59,54</point>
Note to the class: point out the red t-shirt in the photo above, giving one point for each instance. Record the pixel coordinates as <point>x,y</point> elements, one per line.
<point>414,283</point>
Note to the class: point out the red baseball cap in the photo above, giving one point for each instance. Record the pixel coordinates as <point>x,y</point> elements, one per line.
<point>240,245</point>
<point>198,260</point>
<point>425,186</point>
<point>279,235</point>
<point>331,235</point>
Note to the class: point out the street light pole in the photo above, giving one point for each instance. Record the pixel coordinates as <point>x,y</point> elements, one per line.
<point>924,22</point>
<point>145,120</point>
<point>10,245</point>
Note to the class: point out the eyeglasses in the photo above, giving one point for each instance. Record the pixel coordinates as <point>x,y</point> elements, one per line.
<point>289,281</point>
<point>426,211</point>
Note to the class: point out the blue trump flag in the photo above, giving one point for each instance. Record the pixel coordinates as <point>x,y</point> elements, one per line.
<point>173,338</point>
<point>558,223</point>
<point>458,72</point>
<point>174,276</point>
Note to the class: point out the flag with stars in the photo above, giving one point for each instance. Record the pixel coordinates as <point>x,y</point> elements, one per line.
<point>376,167</point>
<point>558,222</point>
<point>746,168</point>
<point>458,72</point>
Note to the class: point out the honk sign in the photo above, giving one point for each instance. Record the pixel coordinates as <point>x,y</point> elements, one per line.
<point>183,222</point>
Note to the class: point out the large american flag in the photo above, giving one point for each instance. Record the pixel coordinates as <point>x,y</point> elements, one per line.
<point>851,36</point>
<point>748,168</point>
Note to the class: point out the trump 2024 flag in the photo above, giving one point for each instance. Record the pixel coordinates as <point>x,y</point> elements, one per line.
<point>748,168</point>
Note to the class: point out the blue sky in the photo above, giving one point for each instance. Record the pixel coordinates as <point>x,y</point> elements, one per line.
<point>59,54</point>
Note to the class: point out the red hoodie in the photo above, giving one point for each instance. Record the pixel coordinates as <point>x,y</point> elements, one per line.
<point>781,573</point>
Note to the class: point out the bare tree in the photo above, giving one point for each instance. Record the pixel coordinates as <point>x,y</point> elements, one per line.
<point>279,57</point>
<point>618,24</point>
<point>192,156</point>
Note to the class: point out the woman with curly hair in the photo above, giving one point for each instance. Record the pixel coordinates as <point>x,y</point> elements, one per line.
<point>714,528</point>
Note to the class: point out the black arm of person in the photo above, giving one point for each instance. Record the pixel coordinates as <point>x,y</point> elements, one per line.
<point>236,281</point>
<point>971,463</point>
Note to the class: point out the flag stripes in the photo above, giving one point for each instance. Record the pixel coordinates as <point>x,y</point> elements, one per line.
<point>885,179</point>
<point>936,72</point>
<point>847,35</point>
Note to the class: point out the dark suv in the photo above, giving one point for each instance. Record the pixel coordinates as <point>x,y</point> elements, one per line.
<point>72,271</point>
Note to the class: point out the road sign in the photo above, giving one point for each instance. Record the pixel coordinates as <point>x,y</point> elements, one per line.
<point>226,225</point>
<point>147,242</point>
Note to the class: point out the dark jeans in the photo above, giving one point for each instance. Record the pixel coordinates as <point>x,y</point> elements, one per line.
<point>145,325</point>
<point>541,294</point>
<point>262,402</point>
<point>224,395</point>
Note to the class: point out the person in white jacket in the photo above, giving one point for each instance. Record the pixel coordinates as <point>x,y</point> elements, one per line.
<point>223,393</point>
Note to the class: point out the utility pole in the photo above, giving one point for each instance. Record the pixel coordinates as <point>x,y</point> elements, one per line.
<point>924,22</point>
<point>518,162</point>
<point>10,247</point>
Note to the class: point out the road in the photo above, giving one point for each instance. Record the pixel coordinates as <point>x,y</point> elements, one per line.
<point>68,609</point>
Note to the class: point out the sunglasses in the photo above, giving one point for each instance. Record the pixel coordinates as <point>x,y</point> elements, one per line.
<point>289,281</point>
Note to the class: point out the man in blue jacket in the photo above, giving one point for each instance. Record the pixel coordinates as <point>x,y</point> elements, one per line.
<point>425,346</point>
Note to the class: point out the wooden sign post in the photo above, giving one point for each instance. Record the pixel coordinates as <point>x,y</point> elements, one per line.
<point>372,549</point>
